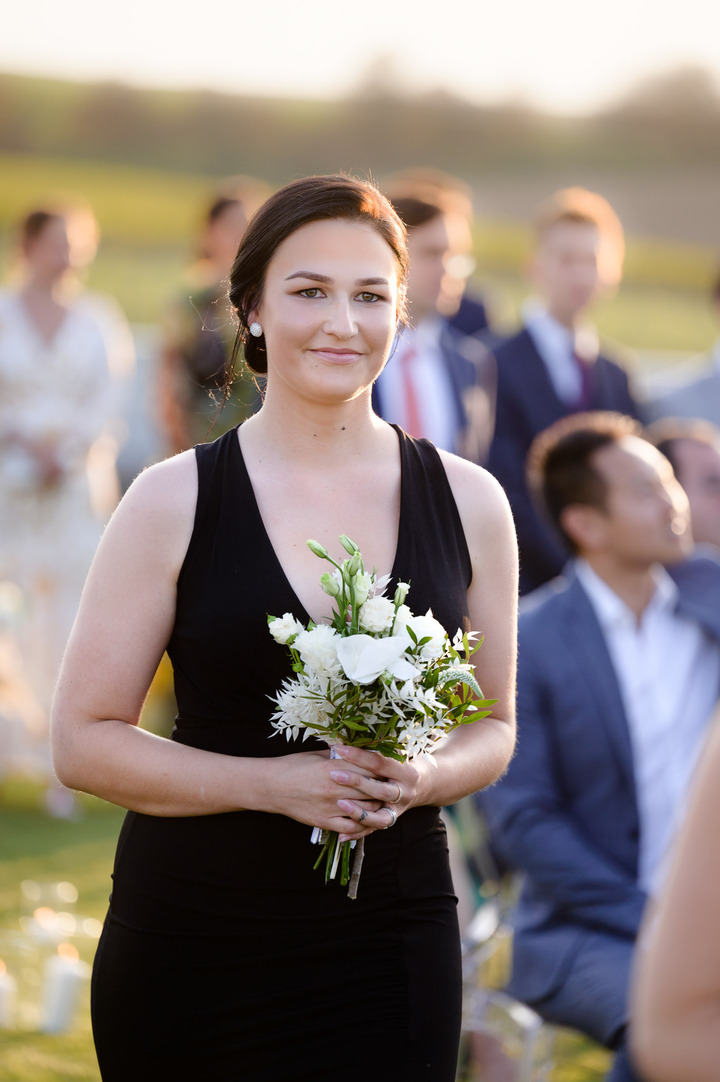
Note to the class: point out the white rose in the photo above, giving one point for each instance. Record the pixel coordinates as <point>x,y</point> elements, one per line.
<point>427,626</point>
<point>364,659</point>
<point>402,616</point>
<point>318,650</point>
<point>284,628</point>
<point>377,614</point>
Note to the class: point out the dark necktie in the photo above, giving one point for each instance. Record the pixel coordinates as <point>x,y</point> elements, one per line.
<point>584,399</point>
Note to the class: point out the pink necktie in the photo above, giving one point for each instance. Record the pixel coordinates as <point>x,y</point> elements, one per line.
<point>413,421</point>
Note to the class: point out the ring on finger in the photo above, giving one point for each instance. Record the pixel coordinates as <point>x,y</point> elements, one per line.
<point>393,820</point>
<point>398,797</point>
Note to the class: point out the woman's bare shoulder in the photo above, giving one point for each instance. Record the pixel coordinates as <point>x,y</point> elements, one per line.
<point>477,493</point>
<point>172,481</point>
<point>158,509</point>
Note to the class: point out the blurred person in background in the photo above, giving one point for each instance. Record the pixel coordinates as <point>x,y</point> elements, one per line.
<point>693,450</point>
<point>675,1001</point>
<point>618,679</point>
<point>199,329</point>
<point>464,308</point>
<point>699,397</point>
<point>438,383</point>
<point>64,354</point>
<point>553,366</point>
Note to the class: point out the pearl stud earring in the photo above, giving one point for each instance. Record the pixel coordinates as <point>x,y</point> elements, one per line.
<point>255,330</point>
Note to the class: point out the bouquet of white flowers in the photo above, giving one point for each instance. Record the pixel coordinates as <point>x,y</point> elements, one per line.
<point>375,677</point>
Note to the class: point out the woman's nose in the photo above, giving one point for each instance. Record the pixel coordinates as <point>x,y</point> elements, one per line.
<point>340,320</point>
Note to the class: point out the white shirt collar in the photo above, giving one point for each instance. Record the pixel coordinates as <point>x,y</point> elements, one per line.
<point>611,610</point>
<point>553,337</point>
<point>425,337</point>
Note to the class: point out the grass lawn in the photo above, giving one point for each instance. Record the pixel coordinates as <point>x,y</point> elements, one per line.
<point>34,846</point>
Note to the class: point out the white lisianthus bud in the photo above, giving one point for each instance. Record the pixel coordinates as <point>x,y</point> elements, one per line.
<point>317,548</point>
<point>318,650</point>
<point>329,584</point>
<point>377,615</point>
<point>363,585</point>
<point>364,658</point>
<point>401,593</point>
<point>348,544</point>
<point>352,566</point>
<point>284,628</point>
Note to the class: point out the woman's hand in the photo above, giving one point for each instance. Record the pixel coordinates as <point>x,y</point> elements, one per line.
<point>305,788</point>
<point>391,786</point>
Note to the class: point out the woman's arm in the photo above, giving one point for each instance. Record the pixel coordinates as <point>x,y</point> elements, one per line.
<point>473,756</point>
<point>675,1014</point>
<point>123,625</point>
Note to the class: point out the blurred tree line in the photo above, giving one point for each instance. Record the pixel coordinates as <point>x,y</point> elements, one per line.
<point>672,119</point>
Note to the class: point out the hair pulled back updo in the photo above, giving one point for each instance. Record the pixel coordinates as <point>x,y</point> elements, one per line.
<point>311,199</point>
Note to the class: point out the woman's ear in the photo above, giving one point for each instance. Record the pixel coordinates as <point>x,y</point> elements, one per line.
<point>585,526</point>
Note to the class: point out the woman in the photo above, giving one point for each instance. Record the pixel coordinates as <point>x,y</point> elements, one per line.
<point>198,329</point>
<point>59,352</point>
<point>676,995</point>
<point>225,956</point>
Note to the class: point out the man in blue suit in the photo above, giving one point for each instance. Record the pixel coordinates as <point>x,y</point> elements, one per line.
<point>552,367</point>
<point>619,674</point>
<point>438,383</point>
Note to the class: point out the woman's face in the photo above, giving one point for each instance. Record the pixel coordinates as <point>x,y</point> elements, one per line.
<point>329,309</point>
<point>49,252</point>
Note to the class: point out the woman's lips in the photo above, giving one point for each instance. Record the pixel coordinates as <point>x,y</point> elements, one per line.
<point>337,356</point>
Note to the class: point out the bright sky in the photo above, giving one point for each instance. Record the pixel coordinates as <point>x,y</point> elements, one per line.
<point>562,55</point>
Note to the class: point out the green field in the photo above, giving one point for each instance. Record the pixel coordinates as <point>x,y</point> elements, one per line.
<point>148,218</point>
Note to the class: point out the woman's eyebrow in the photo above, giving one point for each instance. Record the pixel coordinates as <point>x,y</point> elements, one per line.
<point>315,276</point>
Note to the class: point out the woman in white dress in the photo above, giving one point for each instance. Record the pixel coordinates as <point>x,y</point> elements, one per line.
<point>60,353</point>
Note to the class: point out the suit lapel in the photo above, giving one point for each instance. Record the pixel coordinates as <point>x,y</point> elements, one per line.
<point>585,640</point>
<point>543,403</point>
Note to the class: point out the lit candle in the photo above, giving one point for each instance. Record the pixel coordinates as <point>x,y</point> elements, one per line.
<point>65,978</point>
<point>8,990</point>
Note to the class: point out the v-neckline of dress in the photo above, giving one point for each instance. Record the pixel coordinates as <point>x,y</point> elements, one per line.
<point>401,539</point>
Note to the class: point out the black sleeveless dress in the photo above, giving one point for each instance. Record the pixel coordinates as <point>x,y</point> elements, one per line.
<point>225,957</point>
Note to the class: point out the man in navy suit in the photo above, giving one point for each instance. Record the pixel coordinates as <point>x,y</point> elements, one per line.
<point>438,383</point>
<point>619,674</point>
<point>553,367</point>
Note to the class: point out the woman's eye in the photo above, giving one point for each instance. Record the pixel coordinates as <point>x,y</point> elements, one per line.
<point>311,292</point>
<point>368,298</point>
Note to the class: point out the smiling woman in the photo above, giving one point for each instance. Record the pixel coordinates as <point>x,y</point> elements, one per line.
<point>220,959</point>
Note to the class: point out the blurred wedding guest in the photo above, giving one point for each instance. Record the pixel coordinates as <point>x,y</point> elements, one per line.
<point>619,675</point>
<point>676,987</point>
<point>699,397</point>
<point>199,329</point>
<point>553,366</point>
<point>464,309</point>
<point>63,355</point>
<point>693,450</point>
<point>438,383</point>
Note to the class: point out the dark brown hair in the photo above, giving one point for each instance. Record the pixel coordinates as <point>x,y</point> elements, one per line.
<point>560,464</point>
<point>311,199</point>
<point>33,224</point>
